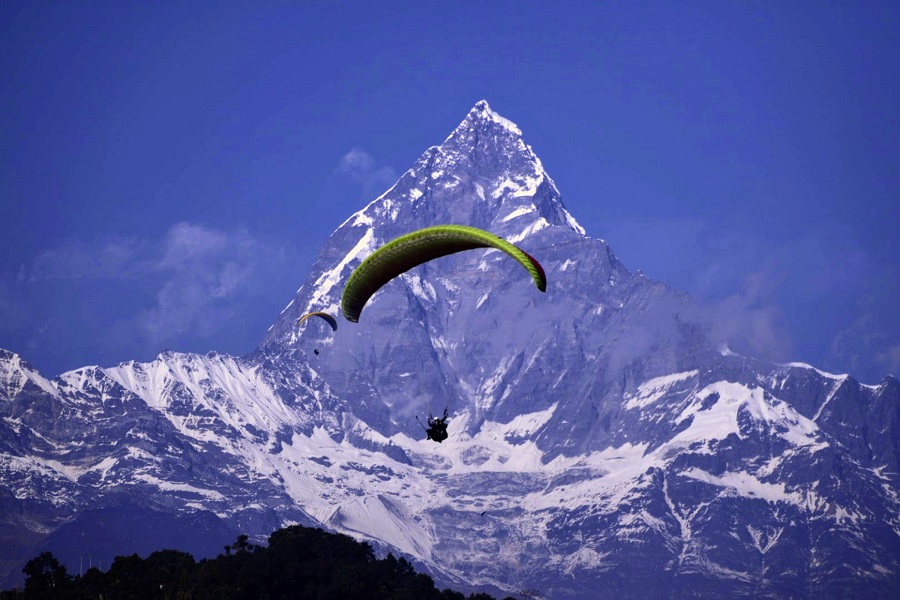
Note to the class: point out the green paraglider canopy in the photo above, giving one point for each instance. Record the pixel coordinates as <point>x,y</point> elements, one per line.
<point>413,249</point>
<point>322,315</point>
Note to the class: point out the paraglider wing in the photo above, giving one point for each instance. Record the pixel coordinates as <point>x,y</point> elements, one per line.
<point>413,249</point>
<point>323,315</point>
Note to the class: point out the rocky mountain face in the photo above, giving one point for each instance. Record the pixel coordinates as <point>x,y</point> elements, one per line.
<point>600,438</point>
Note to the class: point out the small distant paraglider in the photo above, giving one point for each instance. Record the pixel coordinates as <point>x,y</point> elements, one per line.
<point>322,315</point>
<point>413,249</point>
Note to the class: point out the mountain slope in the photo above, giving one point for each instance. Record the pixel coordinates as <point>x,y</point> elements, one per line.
<point>599,432</point>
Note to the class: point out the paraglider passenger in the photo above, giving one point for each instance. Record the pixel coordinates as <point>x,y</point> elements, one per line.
<point>437,428</point>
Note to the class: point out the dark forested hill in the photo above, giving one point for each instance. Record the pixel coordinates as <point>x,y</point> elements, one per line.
<point>299,562</point>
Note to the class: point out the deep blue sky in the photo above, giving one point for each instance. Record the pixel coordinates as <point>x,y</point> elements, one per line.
<point>170,169</point>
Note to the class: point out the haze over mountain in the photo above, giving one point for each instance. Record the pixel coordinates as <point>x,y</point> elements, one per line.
<point>603,435</point>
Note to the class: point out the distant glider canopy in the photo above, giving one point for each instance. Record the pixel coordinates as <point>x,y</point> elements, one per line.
<point>323,315</point>
<point>413,249</point>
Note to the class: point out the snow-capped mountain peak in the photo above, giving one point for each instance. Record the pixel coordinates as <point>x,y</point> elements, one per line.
<point>483,175</point>
<point>482,112</point>
<point>16,374</point>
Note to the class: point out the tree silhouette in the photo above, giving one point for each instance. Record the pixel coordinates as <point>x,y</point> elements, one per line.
<point>298,563</point>
<point>45,577</point>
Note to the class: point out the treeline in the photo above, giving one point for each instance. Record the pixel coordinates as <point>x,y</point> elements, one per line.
<point>298,563</point>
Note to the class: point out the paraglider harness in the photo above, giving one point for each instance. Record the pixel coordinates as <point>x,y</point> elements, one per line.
<point>437,427</point>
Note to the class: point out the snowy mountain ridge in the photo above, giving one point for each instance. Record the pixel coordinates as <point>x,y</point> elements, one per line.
<point>599,432</point>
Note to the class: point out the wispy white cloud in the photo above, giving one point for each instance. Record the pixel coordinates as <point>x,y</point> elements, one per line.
<point>194,279</point>
<point>731,274</point>
<point>773,297</point>
<point>361,167</point>
<point>187,243</point>
<point>890,359</point>
<point>751,319</point>
<point>874,335</point>
<point>207,274</point>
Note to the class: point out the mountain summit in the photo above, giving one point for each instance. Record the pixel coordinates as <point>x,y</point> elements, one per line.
<point>599,436</point>
<point>483,175</point>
